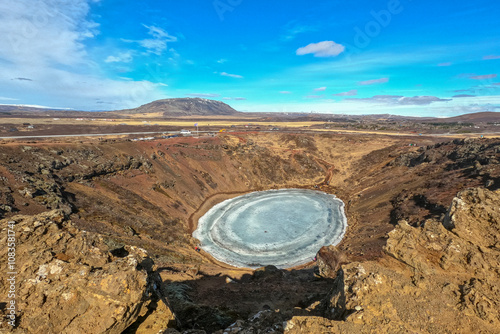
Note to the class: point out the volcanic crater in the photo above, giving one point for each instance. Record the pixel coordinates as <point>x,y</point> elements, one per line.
<point>117,196</point>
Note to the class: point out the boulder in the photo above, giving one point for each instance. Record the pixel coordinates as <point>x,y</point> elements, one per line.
<point>67,281</point>
<point>329,260</point>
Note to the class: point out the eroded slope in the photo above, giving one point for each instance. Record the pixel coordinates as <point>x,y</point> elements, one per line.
<point>149,194</point>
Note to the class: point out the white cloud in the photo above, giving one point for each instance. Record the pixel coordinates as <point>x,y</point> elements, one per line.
<point>292,29</point>
<point>159,33</point>
<point>3,98</point>
<point>483,77</point>
<point>352,92</point>
<point>203,95</point>
<point>45,33</point>
<point>321,49</point>
<point>231,75</point>
<point>156,45</point>
<point>400,100</point>
<point>444,64</point>
<point>420,100</point>
<point>234,98</point>
<point>122,57</point>
<point>491,57</point>
<point>320,89</point>
<point>356,107</point>
<point>222,61</point>
<point>35,106</point>
<point>45,42</point>
<point>374,81</point>
<point>285,92</point>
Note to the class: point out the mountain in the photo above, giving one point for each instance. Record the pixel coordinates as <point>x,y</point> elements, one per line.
<point>183,107</point>
<point>478,117</point>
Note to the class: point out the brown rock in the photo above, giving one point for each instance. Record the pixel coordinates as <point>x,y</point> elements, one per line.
<point>329,260</point>
<point>474,217</point>
<point>80,289</point>
<point>432,278</point>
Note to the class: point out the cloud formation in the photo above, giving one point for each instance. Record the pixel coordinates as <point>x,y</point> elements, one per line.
<point>483,77</point>
<point>321,49</point>
<point>285,92</point>
<point>234,98</point>
<point>463,95</point>
<point>352,92</point>
<point>445,64</point>
<point>122,57</point>
<point>203,95</point>
<point>319,89</point>
<point>46,43</point>
<point>3,98</point>
<point>491,57</point>
<point>158,43</point>
<point>374,81</point>
<point>420,100</point>
<point>231,75</point>
<point>293,28</point>
<point>22,79</point>
<point>400,100</point>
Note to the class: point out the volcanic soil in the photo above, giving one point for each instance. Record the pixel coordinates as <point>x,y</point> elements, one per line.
<point>150,194</point>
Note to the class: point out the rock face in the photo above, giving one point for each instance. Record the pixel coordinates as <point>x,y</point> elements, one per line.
<point>474,217</point>
<point>432,277</point>
<point>465,153</point>
<point>329,260</point>
<point>69,282</point>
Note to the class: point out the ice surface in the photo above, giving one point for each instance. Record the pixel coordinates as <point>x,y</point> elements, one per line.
<point>283,227</point>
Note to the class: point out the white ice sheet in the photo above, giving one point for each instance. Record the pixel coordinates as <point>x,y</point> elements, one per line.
<point>283,227</point>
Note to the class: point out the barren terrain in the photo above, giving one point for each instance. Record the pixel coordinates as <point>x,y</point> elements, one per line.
<point>149,194</point>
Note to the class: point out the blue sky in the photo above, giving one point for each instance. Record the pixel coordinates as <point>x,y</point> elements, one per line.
<point>404,57</point>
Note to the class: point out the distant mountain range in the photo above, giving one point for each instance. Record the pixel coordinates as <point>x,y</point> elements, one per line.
<point>166,108</point>
<point>178,107</point>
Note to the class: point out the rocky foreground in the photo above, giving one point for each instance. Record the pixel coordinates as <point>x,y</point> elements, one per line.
<point>439,277</point>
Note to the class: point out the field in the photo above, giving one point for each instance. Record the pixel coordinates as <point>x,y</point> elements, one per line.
<point>150,123</point>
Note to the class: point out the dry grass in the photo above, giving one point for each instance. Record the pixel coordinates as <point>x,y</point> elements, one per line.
<point>212,121</point>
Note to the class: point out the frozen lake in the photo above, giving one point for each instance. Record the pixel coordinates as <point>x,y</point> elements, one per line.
<point>283,227</point>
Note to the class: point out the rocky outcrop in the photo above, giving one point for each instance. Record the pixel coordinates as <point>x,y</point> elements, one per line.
<point>329,259</point>
<point>474,216</point>
<point>432,277</point>
<point>68,281</point>
<point>457,154</point>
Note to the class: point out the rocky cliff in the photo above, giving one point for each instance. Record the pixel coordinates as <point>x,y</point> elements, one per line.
<point>71,281</point>
<point>442,277</point>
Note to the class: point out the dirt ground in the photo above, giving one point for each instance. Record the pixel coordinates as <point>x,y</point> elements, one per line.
<point>151,193</point>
